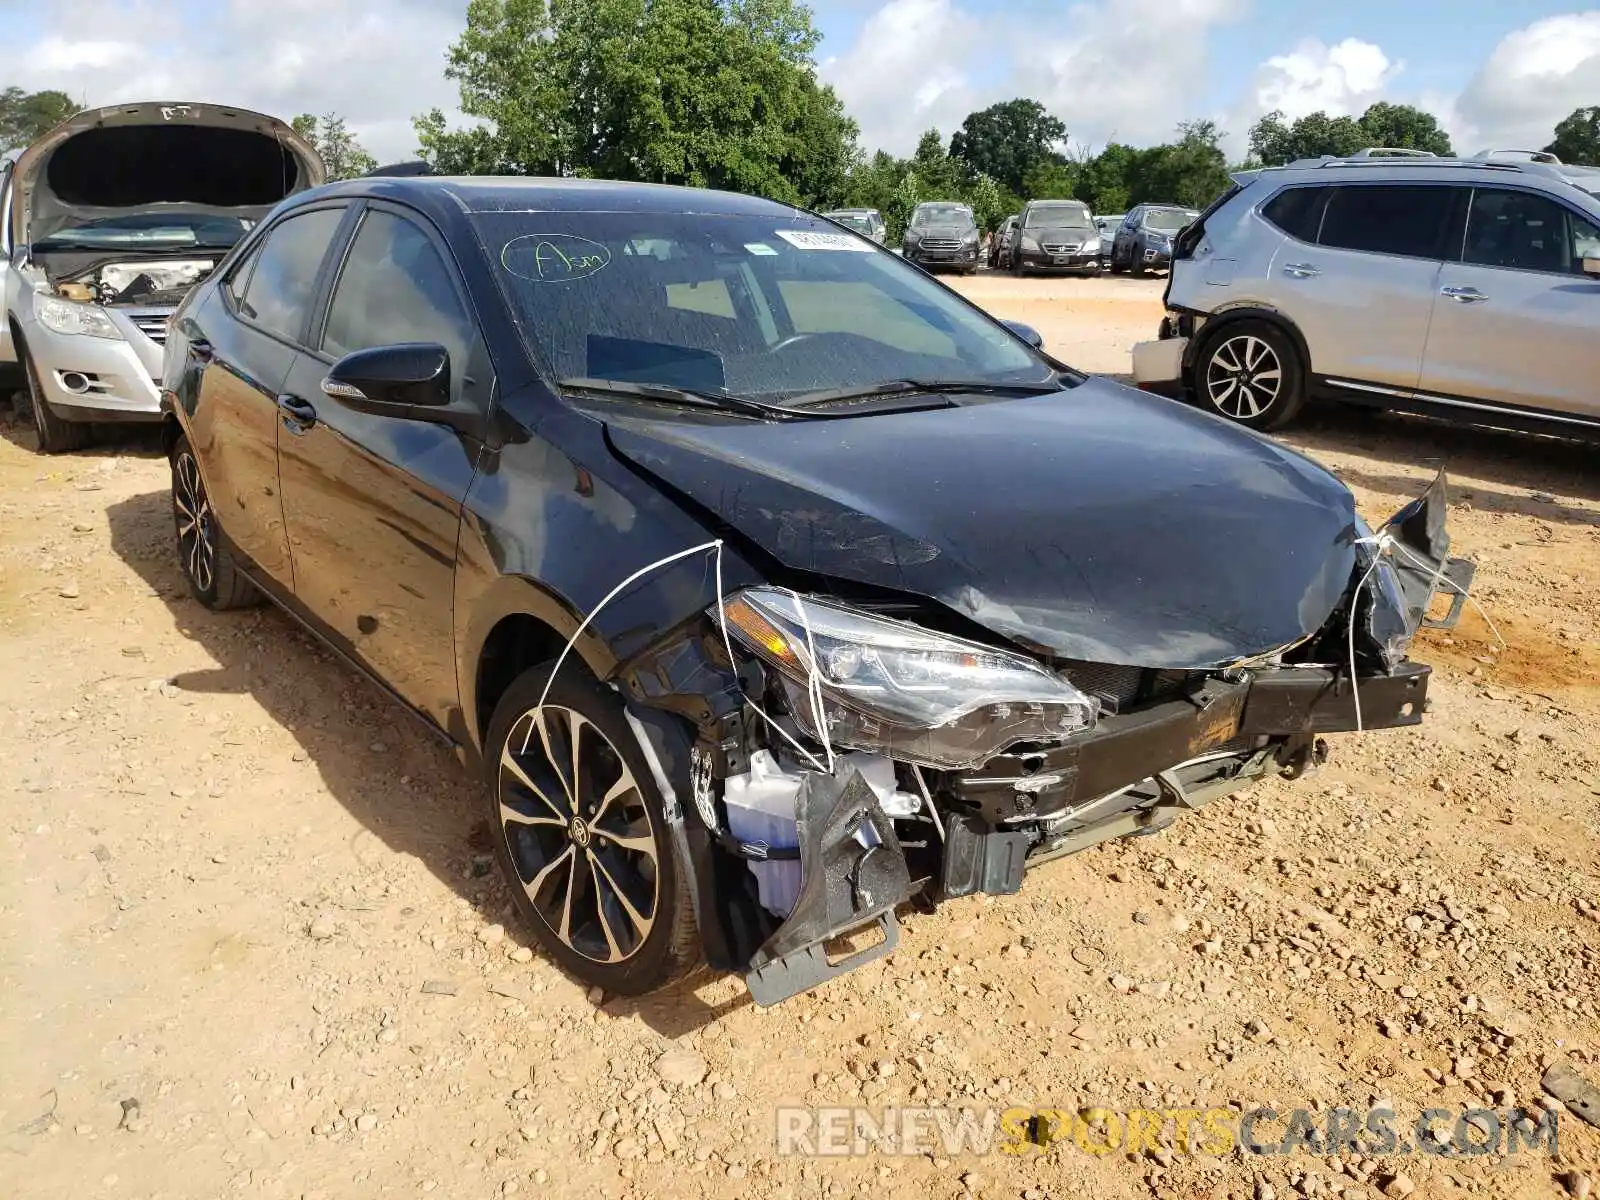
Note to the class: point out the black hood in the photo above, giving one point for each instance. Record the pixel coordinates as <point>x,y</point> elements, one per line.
<point>953,232</point>
<point>1098,523</point>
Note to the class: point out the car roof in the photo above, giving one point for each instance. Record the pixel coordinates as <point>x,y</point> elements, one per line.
<point>482,194</point>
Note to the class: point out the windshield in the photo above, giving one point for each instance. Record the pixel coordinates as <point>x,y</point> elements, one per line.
<point>762,306</point>
<point>1168,220</point>
<point>1072,215</point>
<point>854,221</point>
<point>150,231</point>
<point>942,214</point>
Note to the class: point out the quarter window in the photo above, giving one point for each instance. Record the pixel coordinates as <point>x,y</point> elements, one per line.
<point>1297,211</point>
<point>1401,219</point>
<point>1526,232</point>
<point>280,288</point>
<point>396,288</point>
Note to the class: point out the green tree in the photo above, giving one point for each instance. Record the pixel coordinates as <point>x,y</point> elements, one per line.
<point>1577,137</point>
<point>713,93</point>
<point>1191,171</point>
<point>1052,178</point>
<point>1103,181</point>
<point>341,154</point>
<point>26,116</point>
<point>940,176</point>
<point>1404,127</point>
<point>1008,140</point>
<point>1274,142</point>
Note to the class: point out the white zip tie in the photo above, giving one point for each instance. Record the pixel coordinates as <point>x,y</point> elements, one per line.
<point>1384,541</point>
<point>813,680</point>
<point>722,619</point>
<point>1377,542</point>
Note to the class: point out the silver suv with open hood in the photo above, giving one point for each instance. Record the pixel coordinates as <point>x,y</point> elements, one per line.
<point>109,220</point>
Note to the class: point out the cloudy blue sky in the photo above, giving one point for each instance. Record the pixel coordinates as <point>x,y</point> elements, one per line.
<point>1497,73</point>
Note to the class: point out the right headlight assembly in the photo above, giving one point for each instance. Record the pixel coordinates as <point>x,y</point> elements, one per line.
<point>69,316</point>
<point>898,689</point>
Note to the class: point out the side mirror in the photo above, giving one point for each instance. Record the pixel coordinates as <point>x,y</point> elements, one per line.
<point>1591,266</point>
<point>1026,332</point>
<point>390,379</point>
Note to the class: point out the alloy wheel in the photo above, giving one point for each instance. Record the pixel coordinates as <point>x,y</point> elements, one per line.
<point>579,833</point>
<point>1244,377</point>
<point>197,530</point>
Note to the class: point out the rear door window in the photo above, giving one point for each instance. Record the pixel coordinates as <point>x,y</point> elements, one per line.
<point>1408,220</point>
<point>280,290</point>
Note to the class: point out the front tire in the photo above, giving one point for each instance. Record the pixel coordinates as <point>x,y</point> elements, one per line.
<point>1250,373</point>
<point>581,836</point>
<point>204,556</point>
<point>56,436</point>
<point>1136,261</point>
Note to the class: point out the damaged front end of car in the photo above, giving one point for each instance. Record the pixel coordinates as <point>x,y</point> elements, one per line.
<point>851,756</point>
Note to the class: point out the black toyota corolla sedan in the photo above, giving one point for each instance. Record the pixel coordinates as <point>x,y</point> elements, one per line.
<point>767,583</point>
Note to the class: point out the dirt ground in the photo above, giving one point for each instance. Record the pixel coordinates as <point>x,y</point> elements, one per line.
<point>251,943</point>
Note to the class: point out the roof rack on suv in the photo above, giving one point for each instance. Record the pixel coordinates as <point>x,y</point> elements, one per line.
<point>1392,152</point>
<point>1538,156</point>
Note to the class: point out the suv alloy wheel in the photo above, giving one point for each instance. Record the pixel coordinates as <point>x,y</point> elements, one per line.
<point>581,836</point>
<point>1249,373</point>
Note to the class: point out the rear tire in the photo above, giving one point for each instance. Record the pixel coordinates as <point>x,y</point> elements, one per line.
<point>204,556</point>
<point>597,882</point>
<point>56,436</point>
<point>1250,373</point>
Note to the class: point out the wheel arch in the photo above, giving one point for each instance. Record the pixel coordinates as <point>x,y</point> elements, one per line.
<point>1218,323</point>
<point>518,624</point>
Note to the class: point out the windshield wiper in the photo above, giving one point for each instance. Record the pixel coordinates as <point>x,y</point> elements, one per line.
<point>687,396</point>
<point>936,387</point>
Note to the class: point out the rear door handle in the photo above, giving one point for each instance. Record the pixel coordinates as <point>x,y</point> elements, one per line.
<point>1301,270</point>
<point>1464,295</point>
<point>297,414</point>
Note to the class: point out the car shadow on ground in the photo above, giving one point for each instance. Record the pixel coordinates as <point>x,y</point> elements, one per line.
<point>1533,475</point>
<point>401,783</point>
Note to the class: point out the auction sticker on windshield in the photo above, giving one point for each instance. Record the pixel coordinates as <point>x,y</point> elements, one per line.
<point>810,239</point>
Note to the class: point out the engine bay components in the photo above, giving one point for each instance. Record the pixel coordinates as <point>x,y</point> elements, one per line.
<point>160,283</point>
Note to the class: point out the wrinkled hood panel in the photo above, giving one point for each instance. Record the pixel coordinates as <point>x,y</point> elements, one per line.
<point>1098,523</point>
<point>149,156</point>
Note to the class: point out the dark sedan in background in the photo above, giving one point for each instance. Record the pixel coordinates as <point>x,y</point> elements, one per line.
<point>766,582</point>
<point>1056,235</point>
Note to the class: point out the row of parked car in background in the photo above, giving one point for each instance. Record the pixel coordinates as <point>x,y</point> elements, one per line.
<point>1054,236</point>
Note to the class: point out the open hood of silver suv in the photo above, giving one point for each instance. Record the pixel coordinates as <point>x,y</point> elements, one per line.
<point>155,156</point>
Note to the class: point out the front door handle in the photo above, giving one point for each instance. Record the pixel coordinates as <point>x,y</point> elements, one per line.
<point>298,415</point>
<point>1301,270</point>
<point>1464,295</point>
<point>201,349</point>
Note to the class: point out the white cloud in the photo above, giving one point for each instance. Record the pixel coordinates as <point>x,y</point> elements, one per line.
<point>908,72</point>
<point>375,68</point>
<point>1341,80</point>
<point>1112,70</point>
<point>1533,78</point>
